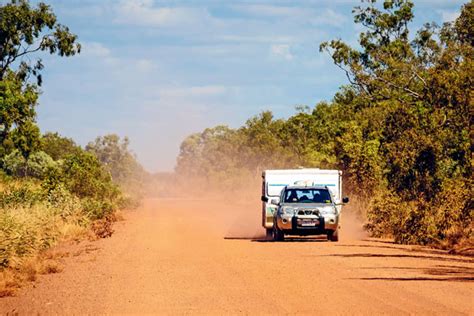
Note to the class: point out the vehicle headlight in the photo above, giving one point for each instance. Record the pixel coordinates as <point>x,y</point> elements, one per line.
<point>287,210</point>
<point>327,210</point>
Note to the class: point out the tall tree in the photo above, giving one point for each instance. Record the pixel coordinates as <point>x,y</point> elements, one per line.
<point>25,30</point>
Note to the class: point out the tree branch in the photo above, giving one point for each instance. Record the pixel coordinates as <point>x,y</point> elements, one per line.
<point>11,59</point>
<point>411,92</point>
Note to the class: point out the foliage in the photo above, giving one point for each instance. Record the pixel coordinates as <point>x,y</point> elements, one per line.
<point>114,154</point>
<point>22,32</point>
<point>37,166</point>
<point>17,112</point>
<point>20,194</point>
<point>57,146</point>
<point>25,30</point>
<point>36,213</point>
<point>401,130</point>
<point>31,221</point>
<point>84,176</point>
<point>50,188</point>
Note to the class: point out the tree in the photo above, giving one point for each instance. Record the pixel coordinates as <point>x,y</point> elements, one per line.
<point>38,165</point>
<point>17,102</point>
<point>412,117</point>
<point>25,30</point>
<point>401,130</point>
<point>117,158</point>
<point>57,146</point>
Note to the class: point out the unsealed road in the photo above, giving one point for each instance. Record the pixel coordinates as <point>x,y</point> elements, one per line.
<point>172,257</point>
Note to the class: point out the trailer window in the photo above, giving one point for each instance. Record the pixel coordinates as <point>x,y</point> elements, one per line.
<point>307,196</point>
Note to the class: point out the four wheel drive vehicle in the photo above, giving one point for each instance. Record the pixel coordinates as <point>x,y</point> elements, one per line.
<point>302,202</point>
<point>306,210</point>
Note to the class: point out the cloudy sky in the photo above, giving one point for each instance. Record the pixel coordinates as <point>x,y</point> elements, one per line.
<point>156,71</point>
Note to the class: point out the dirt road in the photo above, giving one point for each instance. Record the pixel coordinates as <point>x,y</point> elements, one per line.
<point>172,257</point>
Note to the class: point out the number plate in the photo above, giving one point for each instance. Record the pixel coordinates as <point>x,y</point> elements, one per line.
<point>308,222</point>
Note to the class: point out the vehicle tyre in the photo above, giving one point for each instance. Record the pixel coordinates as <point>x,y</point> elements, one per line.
<point>269,233</point>
<point>333,235</point>
<point>277,234</point>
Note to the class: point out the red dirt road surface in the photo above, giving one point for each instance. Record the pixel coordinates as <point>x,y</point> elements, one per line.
<point>202,257</point>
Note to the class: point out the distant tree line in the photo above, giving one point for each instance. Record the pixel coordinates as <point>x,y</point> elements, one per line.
<point>401,129</point>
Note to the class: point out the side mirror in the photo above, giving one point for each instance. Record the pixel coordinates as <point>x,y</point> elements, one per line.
<point>264,198</point>
<point>274,202</point>
<point>345,200</point>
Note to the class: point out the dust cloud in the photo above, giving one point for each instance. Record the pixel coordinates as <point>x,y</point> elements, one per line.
<point>235,202</point>
<point>236,199</point>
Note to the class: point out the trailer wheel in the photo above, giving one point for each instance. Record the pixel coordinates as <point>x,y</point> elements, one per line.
<point>269,233</point>
<point>333,235</point>
<point>277,234</point>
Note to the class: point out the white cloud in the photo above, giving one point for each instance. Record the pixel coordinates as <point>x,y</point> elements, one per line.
<point>329,17</point>
<point>256,38</point>
<point>95,49</point>
<point>143,12</point>
<point>281,51</point>
<point>195,91</point>
<point>145,65</point>
<point>449,16</point>
<point>91,10</point>
<point>271,10</point>
<point>297,14</point>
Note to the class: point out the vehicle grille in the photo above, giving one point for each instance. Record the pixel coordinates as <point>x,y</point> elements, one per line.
<point>308,212</point>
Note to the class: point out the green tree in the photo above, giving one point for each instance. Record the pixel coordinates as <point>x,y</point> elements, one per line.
<point>115,155</point>
<point>37,166</point>
<point>25,30</point>
<point>57,146</point>
<point>17,102</point>
<point>409,136</point>
<point>85,176</point>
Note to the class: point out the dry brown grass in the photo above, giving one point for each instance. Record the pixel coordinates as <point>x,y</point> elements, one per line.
<point>23,270</point>
<point>27,271</point>
<point>103,228</point>
<point>8,283</point>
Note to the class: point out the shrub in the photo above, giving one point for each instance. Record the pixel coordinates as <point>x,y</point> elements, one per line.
<point>84,176</point>
<point>97,209</point>
<point>20,194</point>
<point>36,166</point>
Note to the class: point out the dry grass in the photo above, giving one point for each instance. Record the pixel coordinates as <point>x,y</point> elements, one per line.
<point>8,283</point>
<point>29,233</point>
<point>27,271</point>
<point>103,228</point>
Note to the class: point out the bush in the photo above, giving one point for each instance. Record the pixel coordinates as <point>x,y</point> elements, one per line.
<point>24,231</point>
<point>96,209</point>
<point>20,194</point>
<point>36,166</point>
<point>84,176</point>
<point>58,147</point>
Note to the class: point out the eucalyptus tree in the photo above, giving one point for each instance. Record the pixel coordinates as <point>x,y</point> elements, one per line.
<point>25,30</point>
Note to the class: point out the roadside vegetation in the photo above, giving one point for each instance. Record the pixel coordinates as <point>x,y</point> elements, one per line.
<point>51,189</point>
<point>401,129</point>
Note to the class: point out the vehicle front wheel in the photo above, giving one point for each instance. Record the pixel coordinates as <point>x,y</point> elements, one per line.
<point>277,234</point>
<point>333,235</point>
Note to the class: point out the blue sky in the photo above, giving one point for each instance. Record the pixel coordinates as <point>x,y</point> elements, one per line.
<point>157,71</point>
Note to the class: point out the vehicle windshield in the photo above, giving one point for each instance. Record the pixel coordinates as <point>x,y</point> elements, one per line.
<point>307,196</point>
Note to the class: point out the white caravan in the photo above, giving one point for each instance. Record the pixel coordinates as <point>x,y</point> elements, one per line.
<point>273,181</point>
